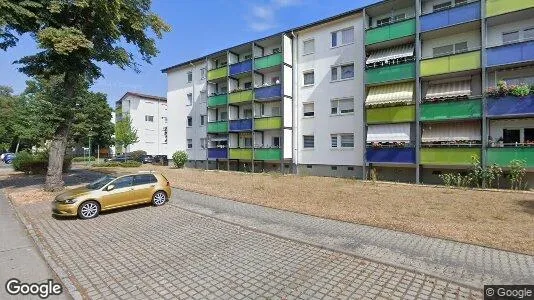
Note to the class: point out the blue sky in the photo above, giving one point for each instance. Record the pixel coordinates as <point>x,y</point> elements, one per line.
<point>199,27</point>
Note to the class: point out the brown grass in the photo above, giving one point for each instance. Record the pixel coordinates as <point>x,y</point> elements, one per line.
<point>499,219</point>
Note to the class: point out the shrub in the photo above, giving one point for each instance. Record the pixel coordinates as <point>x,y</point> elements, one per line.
<point>130,164</point>
<point>136,155</point>
<point>82,159</point>
<point>179,158</point>
<point>114,164</point>
<point>520,90</point>
<point>517,174</point>
<point>36,163</point>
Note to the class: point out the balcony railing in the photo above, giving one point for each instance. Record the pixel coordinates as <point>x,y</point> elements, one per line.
<point>217,127</point>
<point>451,63</point>
<point>217,100</point>
<point>394,114</point>
<point>241,67</point>
<point>268,61</point>
<point>218,73</point>
<point>390,73</point>
<point>267,154</point>
<point>510,106</point>
<point>395,155</point>
<point>451,110</point>
<point>453,16</point>
<point>510,53</point>
<point>499,7</point>
<point>241,153</point>
<point>240,125</point>
<point>502,156</point>
<point>217,153</point>
<point>390,32</point>
<point>242,96</point>
<point>268,92</point>
<point>450,156</point>
<point>268,123</point>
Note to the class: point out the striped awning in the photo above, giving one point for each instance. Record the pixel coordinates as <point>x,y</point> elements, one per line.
<point>389,133</point>
<point>218,139</point>
<point>391,93</point>
<point>384,55</point>
<point>451,131</point>
<point>449,89</point>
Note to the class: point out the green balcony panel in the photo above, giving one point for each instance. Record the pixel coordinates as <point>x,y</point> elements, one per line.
<point>390,73</point>
<point>453,156</point>
<point>268,154</point>
<point>394,114</point>
<point>243,153</point>
<point>218,127</point>
<point>390,32</point>
<point>268,123</point>
<point>268,61</point>
<point>452,63</point>
<point>454,110</point>
<point>503,156</point>
<point>217,100</point>
<point>240,96</point>
<point>217,73</point>
<point>499,7</point>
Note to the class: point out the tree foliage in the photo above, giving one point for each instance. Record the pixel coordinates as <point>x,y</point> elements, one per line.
<point>125,133</point>
<point>8,103</point>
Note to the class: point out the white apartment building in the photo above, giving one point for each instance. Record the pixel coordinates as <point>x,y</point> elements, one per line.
<point>149,115</point>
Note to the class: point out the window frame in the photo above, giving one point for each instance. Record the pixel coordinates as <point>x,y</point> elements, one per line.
<point>304,136</point>
<point>340,41</point>
<point>304,73</point>
<point>149,118</point>
<point>189,99</point>
<point>203,120</point>
<point>312,103</point>
<point>189,144</point>
<point>518,32</point>
<point>189,76</point>
<point>338,110</point>
<point>312,40</point>
<point>189,118</point>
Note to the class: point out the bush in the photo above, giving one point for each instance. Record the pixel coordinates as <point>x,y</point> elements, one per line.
<point>520,90</point>
<point>36,163</point>
<point>114,164</point>
<point>517,175</point>
<point>179,158</point>
<point>136,155</point>
<point>83,159</point>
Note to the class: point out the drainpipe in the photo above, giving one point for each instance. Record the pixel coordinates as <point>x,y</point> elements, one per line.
<point>192,108</point>
<point>295,119</point>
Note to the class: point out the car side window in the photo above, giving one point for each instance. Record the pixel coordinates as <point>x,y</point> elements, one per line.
<point>123,182</point>
<point>144,179</point>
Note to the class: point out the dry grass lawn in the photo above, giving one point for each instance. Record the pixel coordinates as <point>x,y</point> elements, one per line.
<point>499,219</point>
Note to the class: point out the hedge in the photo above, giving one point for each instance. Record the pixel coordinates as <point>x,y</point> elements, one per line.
<point>112,164</point>
<point>36,163</point>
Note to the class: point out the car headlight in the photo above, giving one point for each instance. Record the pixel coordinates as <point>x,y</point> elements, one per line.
<point>70,201</point>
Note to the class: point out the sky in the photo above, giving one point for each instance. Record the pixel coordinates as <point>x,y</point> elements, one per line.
<point>199,27</point>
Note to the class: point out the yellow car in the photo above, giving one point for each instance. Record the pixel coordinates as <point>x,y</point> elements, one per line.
<point>110,192</point>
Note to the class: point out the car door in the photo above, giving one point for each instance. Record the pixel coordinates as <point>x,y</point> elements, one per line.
<point>122,194</point>
<point>144,185</point>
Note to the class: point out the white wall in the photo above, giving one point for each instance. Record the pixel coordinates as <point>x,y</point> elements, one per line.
<point>471,37</point>
<point>494,33</point>
<point>323,124</point>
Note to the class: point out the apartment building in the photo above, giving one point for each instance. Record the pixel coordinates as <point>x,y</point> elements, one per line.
<point>398,87</point>
<point>149,115</point>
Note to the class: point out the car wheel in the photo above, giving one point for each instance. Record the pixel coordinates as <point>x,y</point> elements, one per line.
<point>159,198</point>
<point>88,210</point>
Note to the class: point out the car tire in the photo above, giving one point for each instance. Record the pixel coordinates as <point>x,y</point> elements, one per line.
<point>159,198</point>
<point>88,210</point>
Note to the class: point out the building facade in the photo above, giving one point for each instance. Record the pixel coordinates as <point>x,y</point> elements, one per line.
<point>408,89</point>
<point>149,116</point>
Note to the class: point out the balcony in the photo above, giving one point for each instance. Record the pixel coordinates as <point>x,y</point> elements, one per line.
<point>268,92</point>
<point>449,156</point>
<point>240,125</point>
<point>499,7</point>
<point>453,16</point>
<point>502,156</point>
<point>510,106</point>
<point>217,100</point>
<point>268,154</point>
<point>241,153</point>
<point>238,97</point>
<point>241,67</point>
<point>390,155</point>
<point>268,61</point>
<point>394,114</point>
<point>390,73</point>
<point>268,123</point>
<point>450,64</point>
<point>217,153</point>
<point>510,54</point>
<point>218,127</point>
<point>451,110</point>
<point>390,32</point>
<point>217,73</point>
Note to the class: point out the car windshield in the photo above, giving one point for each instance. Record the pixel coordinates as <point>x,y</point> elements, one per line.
<point>100,183</point>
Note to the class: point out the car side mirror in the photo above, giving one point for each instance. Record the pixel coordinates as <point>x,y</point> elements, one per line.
<point>110,187</point>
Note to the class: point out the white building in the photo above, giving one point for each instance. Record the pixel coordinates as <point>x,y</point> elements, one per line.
<point>149,117</point>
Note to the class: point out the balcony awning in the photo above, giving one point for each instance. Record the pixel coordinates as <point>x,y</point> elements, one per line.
<point>449,89</point>
<point>218,139</point>
<point>384,55</point>
<point>391,93</point>
<point>389,133</point>
<point>449,132</point>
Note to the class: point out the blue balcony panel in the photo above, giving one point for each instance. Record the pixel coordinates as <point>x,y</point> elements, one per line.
<point>240,125</point>
<point>391,155</point>
<point>456,15</point>
<point>242,67</point>
<point>510,54</point>
<point>268,92</point>
<point>510,106</point>
<point>217,153</point>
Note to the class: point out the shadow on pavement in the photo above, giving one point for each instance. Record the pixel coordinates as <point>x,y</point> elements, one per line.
<point>73,177</point>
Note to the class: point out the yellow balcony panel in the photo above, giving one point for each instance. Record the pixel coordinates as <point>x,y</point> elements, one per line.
<point>499,7</point>
<point>450,64</point>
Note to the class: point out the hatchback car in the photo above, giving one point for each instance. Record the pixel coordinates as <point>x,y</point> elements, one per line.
<point>110,192</point>
<point>8,158</point>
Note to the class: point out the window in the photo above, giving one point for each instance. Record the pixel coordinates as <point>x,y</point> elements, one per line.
<point>248,142</point>
<point>511,136</point>
<point>308,109</point>
<point>342,106</point>
<point>388,20</point>
<point>309,166</point>
<point>343,37</point>
<point>276,141</point>
<point>308,47</point>
<point>309,78</point>
<point>346,71</point>
<point>203,73</point>
<point>189,121</point>
<point>189,143</point>
<point>203,143</point>
<point>529,135</point>
<point>460,47</point>
<point>510,37</point>
<point>275,80</point>
<point>164,120</point>
<point>248,85</point>
<point>247,113</point>
<point>149,118</point>
<point>333,140</point>
<point>347,140</point>
<point>275,111</point>
<point>515,81</point>
<point>123,182</point>
<point>247,56</point>
<point>309,141</point>
<point>144,179</point>
<point>528,34</point>
<point>276,50</point>
<point>443,50</point>
<point>350,168</point>
<point>442,6</point>
<point>333,168</point>
<point>224,115</point>
<point>189,99</point>
<point>189,76</point>
<point>382,22</point>
<point>202,120</point>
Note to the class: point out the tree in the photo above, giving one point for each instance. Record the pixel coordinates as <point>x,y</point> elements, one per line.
<point>93,119</point>
<point>7,113</point>
<point>125,133</point>
<point>74,36</point>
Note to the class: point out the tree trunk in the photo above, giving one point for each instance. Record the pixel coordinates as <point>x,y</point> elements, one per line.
<point>54,176</point>
<point>18,144</point>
